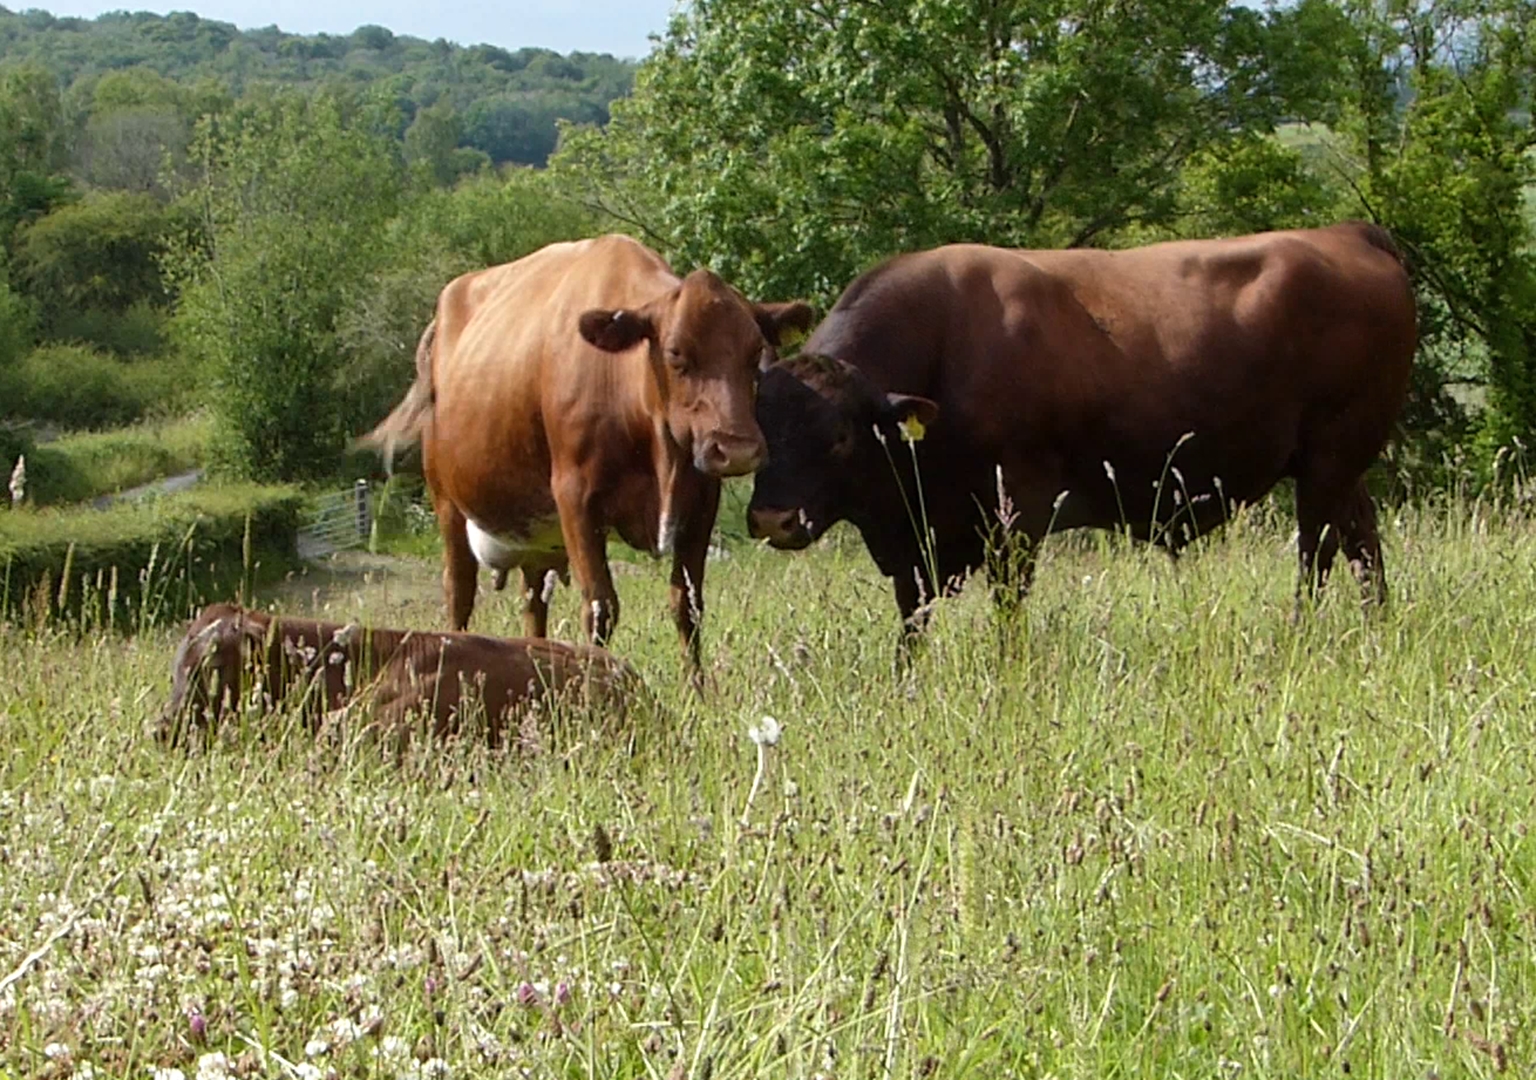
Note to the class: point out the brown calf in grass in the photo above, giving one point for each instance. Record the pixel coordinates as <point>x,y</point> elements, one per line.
<point>398,673</point>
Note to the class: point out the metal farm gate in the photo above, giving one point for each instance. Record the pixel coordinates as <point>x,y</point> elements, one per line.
<point>337,521</point>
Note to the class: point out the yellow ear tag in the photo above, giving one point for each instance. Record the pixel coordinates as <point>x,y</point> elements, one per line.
<point>790,336</point>
<point>912,429</point>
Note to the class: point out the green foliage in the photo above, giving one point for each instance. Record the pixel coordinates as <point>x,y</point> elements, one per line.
<point>83,389</point>
<point>834,137</point>
<point>14,442</point>
<point>485,220</point>
<point>139,81</point>
<point>1448,171</point>
<point>142,561</point>
<point>139,331</point>
<point>298,194</point>
<point>80,467</point>
<point>17,325</point>
<point>432,144</point>
<point>101,254</point>
<point>32,147</point>
<point>1253,184</point>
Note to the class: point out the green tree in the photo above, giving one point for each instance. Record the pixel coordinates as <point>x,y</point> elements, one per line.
<point>33,145</point>
<point>101,253</point>
<point>296,196</point>
<point>483,221</point>
<point>432,143</point>
<point>1438,113</point>
<point>789,145</point>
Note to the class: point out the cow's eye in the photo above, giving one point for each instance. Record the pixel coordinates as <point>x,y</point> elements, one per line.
<point>676,358</point>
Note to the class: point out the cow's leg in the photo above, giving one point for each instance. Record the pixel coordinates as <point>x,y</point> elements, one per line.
<point>1318,499</point>
<point>1361,542</point>
<point>914,600</point>
<point>460,567</point>
<point>689,554</point>
<point>586,547</point>
<point>535,602</point>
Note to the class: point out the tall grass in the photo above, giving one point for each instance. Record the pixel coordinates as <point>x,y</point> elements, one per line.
<point>83,466</point>
<point>1158,832</point>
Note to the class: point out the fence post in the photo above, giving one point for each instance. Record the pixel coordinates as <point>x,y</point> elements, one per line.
<point>360,491</point>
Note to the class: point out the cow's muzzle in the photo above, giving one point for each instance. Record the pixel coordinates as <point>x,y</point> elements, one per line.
<point>787,530</point>
<point>730,455</point>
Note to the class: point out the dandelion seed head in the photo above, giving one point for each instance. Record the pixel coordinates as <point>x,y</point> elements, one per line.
<point>766,733</point>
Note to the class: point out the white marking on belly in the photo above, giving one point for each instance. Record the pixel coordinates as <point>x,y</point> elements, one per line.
<point>503,551</point>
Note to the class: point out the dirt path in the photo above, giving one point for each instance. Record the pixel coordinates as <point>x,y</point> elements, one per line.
<point>166,485</point>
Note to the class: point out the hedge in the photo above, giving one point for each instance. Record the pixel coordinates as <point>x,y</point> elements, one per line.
<point>138,563</point>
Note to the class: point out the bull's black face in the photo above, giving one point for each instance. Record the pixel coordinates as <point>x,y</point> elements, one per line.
<point>825,458</point>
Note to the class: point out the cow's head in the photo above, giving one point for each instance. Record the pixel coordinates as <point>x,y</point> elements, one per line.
<point>207,669</point>
<point>708,345</point>
<point>825,459</point>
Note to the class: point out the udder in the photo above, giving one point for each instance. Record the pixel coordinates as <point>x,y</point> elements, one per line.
<point>536,543</point>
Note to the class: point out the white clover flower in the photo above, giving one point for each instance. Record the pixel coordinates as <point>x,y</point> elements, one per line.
<point>304,1070</point>
<point>56,1051</point>
<point>83,1071</point>
<point>392,1048</point>
<point>316,1048</point>
<point>157,1073</point>
<point>213,1066</point>
<point>766,733</point>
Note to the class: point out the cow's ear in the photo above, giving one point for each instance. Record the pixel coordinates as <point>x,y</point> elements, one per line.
<point>910,407</point>
<point>784,324</point>
<point>616,331</point>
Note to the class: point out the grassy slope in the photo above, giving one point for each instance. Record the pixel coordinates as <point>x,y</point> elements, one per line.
<point>1172,836</point>
<point>81,466</point>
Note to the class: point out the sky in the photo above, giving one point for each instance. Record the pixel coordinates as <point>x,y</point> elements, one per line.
<point>619,27</point>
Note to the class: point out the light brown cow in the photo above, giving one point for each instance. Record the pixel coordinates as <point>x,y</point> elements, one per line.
<point>229,651</point>
<point>581,390</point>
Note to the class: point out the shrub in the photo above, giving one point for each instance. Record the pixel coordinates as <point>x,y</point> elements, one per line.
<point>82,389</point>
<point>137,563</point>
<point>139,330</point>
<point>84,466</point>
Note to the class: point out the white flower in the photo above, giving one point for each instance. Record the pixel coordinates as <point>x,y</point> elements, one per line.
<point>213,1067</point>
<point>1109,471</point>
<point>157,1073</point>
<point>306,1071</point>
<point>392,1048</point>
<point>435,1067</point>
<point>83,1071</point>
<point>316,1048</point>
<point>767,733</point>
<point>56,1051</point>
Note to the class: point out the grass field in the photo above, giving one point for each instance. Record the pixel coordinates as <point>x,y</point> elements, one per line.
<point>1162,833</point>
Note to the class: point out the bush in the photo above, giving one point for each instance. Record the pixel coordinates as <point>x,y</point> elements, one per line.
<point>16,326</point>
<point>84,466</point>
<point>138,563</point>
<point>137,331</point>
<point>14,442</point>
<point>80,388</point>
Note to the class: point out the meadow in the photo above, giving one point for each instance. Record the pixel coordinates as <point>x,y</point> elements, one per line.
<point>1155,829</point>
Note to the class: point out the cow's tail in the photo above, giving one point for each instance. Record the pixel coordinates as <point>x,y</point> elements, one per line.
<point>404,426</point>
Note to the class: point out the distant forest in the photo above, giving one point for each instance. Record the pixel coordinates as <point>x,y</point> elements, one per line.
<point>501,103</point>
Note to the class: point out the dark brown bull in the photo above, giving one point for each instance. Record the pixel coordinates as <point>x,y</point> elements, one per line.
<point>1149,389</point>
<point>229,652</point>
<point>583,390</point>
